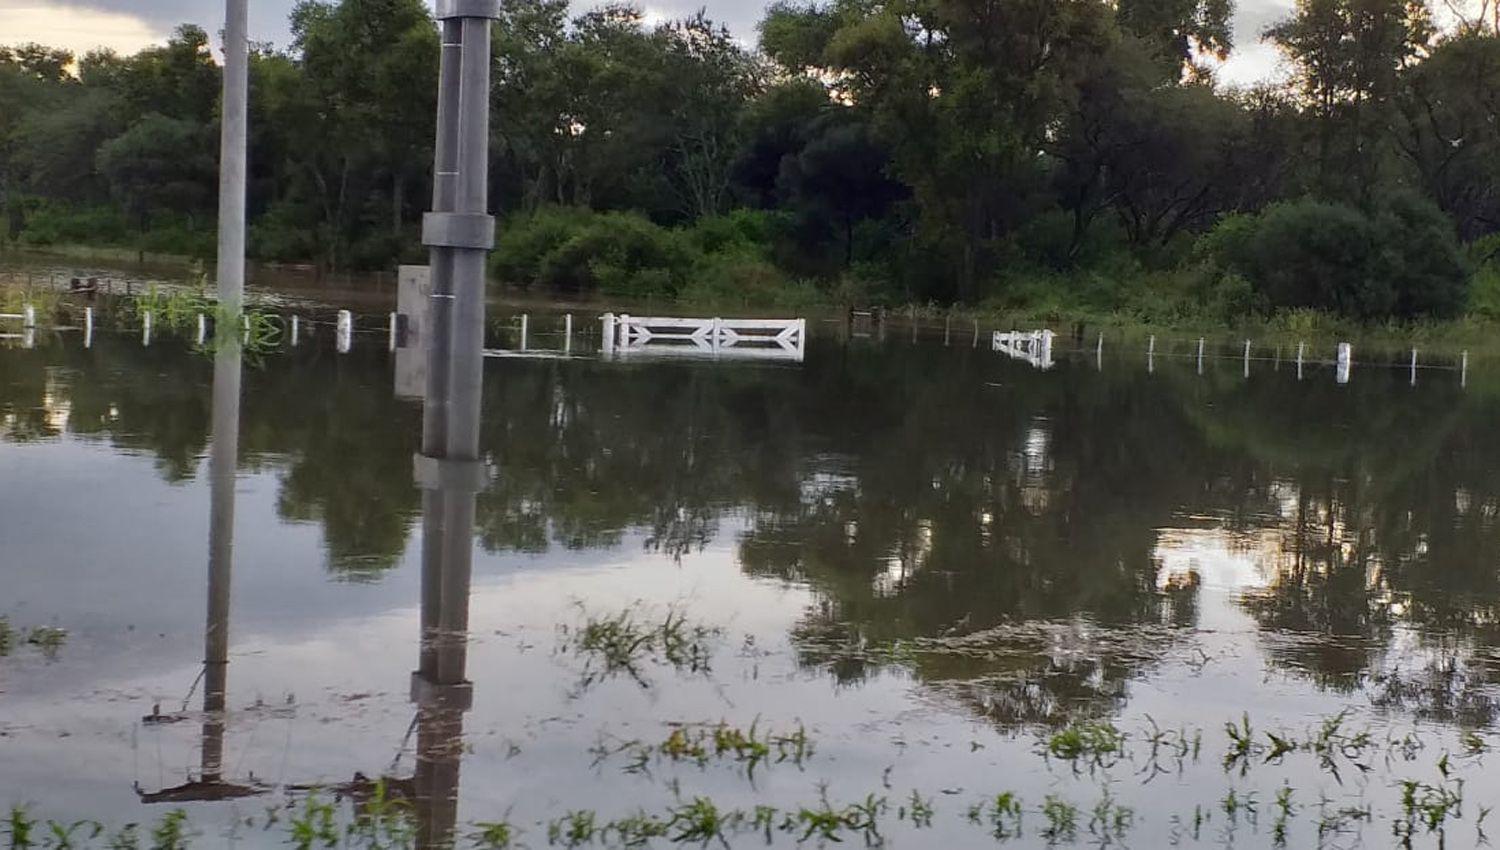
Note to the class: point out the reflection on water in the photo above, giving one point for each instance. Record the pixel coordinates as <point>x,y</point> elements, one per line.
<point>944,536</point>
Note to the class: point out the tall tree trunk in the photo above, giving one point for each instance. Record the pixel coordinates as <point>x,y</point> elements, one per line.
<point>398,203</point>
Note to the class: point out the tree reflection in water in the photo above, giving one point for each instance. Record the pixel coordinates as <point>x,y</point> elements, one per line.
<point>994,530</point>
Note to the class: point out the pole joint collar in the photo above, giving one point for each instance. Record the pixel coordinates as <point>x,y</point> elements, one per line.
<point>447,9</point>
<point>433,696</point>
<point>474,231</point>
<point>450,476</point>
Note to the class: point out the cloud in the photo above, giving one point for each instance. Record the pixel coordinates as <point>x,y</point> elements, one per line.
<point>131,24</point>
<point>268,18</point>
<point>77,29</point>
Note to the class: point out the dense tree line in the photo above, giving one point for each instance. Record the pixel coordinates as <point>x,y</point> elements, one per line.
<point>1064,155</point>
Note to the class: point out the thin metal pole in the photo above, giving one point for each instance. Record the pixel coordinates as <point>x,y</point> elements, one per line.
<point>222,466</point>
<point>232,157</point>
<point>568,334</point>
<point>459,233</point>
<point>525,330</point>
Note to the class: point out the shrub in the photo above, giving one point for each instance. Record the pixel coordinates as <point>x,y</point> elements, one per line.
<point>749,232</point>
<point>742,281</point>
<point>525,242</point>
<point>1401,261</point>
<point>621,254</point>
<point>56,224</point>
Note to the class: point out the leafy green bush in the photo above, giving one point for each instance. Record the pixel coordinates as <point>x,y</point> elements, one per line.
<point>1484,291</point>
<point>742,281</point>
<point>525,242</point>
<point>749,232</point>
<point>1402,261</point>
<point>725,259</point>
<point>575,250</point>
<point>57,224</point>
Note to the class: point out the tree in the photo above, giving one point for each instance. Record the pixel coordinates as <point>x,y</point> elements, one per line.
<point>1347,56</point>
<point>714,79</point>
<point>1181,33</point>
<point>160,164</point>
<point>840,176</point>
<point>369,90</point>
<point>1450,129</point>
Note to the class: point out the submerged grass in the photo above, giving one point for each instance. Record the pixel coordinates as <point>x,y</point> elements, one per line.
<point>748,747</point>
<point>1096,744</point>
<point>625,643</point>
<point>47,639</point>
<point>1414,807</point>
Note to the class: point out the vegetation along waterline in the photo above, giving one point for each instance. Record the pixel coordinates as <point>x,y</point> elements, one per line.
<point>891,153</point>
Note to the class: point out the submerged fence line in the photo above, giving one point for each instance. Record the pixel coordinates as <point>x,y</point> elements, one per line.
<point>347,328</point>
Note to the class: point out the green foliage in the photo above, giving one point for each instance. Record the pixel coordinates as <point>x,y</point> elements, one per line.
<point>576,250</point>
<point>1402,261</point>
<point>721,260</point>
<point>867,153</point>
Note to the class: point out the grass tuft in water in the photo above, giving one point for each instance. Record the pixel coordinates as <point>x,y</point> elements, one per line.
<point>48,639</point>
<point>493,835</point>
<point>18,829</point>
<point>1062,819</point>
<point>700,821</point>
<point>172,832</point>
<point>1092,744</point>
<point>624,643</point>
<point>918,809</point>
<point>574,829</point>
<point>1430,806</point>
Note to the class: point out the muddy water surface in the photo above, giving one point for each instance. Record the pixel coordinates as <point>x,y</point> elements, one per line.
<point>918,574</point>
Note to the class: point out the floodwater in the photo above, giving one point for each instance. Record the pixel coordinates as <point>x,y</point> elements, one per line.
<point>918,570</point>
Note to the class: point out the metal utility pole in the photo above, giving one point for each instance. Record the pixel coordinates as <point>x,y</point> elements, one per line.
<point>460,233</point>
<point>232,156</point>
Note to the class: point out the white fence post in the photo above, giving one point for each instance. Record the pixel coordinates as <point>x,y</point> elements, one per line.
<point>28,316</point>
<point>1413,367</point>
<point>88,327</point>
<point>609,333</point>
<point>296,329</point>
<point>568,334</point>
<point>1345,363</point>
<point>525,330</point>
<point>394,332</point>
<point>345,331</point>
<point>1463,371</point>
<point>1247,358</point>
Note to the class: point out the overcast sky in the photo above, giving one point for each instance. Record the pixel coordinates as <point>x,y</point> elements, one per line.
<point>128,25</point>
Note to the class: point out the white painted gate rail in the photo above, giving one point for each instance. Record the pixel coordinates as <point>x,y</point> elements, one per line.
<point>784,339</point>
<point>1035,347</point>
